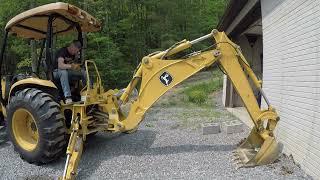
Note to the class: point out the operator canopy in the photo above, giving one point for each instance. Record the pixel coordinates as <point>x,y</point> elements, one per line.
<point>33,23</point>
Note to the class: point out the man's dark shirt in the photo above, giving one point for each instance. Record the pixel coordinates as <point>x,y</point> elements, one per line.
<point>64,53</point>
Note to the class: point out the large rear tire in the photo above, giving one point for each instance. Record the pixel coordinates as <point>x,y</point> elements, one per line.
<point>36,126</point>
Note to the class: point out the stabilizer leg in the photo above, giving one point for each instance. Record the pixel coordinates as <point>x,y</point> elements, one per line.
<point>74,152</point>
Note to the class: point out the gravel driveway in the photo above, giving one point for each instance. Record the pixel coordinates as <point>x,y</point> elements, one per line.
<point>160,151</point>
<point>162,148</point>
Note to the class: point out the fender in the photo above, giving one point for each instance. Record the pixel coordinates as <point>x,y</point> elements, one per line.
<point>33,82</point>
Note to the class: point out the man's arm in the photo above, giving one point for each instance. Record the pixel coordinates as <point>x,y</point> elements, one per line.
<point>62,65</point>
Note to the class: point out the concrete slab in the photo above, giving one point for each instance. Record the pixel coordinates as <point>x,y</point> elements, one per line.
<point>210,128</point>
<point>231,127</point>
<point>242,114</point>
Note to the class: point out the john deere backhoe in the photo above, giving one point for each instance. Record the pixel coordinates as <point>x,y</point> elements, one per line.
<point>40,125</point>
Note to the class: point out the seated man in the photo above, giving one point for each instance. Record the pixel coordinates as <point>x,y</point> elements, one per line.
<point>66,69</point>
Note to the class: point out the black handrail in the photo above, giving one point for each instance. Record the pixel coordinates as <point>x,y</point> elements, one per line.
<point>48,48</point>
<point>40,56</point>
<point>1,60</point>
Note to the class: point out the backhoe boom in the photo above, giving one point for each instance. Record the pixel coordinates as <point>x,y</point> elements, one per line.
<point>157,74</point>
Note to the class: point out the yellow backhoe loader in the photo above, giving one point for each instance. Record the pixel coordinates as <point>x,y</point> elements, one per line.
<point>41,126</point>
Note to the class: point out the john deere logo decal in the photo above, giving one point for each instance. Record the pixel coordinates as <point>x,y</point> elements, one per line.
<point>166,78</point>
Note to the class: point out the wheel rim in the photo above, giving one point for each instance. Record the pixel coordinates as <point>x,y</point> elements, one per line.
<point>25,129</point>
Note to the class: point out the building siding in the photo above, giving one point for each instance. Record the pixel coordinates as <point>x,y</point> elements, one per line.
<point>291,76</point>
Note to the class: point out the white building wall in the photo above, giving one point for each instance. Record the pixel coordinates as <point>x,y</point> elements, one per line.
<point>291,76</point>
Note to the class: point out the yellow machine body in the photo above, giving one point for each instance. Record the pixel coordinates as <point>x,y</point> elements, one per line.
<point>101,110</point>
<point>258,149</point>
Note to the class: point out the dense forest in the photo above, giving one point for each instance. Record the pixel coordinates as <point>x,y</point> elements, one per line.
<point>131,29</point>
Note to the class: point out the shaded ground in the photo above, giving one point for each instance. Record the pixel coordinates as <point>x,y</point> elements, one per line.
<point>168,145</point>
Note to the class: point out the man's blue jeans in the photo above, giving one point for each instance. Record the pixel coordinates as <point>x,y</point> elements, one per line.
<point>69,75</point>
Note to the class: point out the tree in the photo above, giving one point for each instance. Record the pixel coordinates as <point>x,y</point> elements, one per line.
<point>131,29</point>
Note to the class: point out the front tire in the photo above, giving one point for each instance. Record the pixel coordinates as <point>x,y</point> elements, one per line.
<point>36,126</point>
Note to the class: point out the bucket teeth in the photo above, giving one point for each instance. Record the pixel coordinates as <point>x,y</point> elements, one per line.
<point>238,166</point>
<point>235,153</point>
<point>256,151</point>
<point>235,156</point>
<point>236,159</point>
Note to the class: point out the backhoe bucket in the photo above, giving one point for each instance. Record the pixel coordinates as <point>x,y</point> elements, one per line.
<point>256,151</point>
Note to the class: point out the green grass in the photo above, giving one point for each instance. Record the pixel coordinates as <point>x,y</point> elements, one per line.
<point>192,119</point>
<point>197,97</point>
<point>202,113</point>
<point>149,125</point>
<point>195,90</point>
<point>199,93</point>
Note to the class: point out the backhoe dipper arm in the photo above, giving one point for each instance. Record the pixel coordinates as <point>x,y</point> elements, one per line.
<point>157,76</point>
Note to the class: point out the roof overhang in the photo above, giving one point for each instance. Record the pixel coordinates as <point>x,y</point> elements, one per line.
<point>34,22</point>
<point>239,16</point>
<point>255,28</point>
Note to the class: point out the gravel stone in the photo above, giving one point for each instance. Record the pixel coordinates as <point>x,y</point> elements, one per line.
<point>164,150</point>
